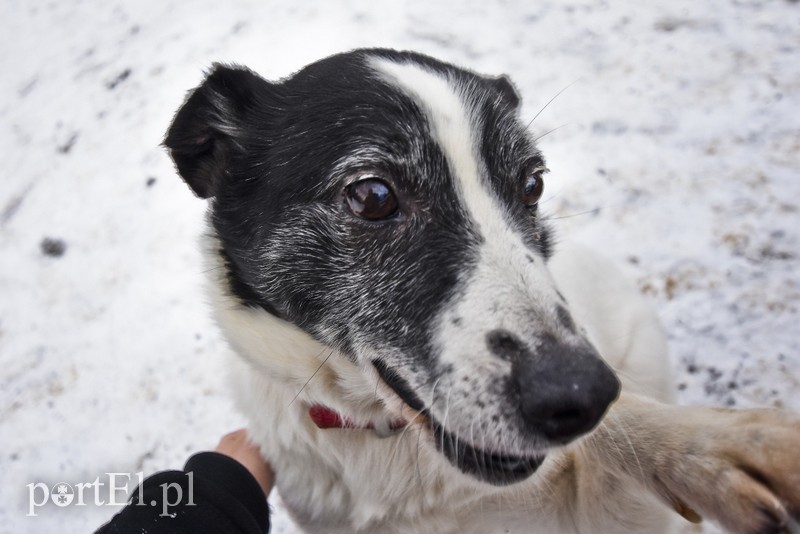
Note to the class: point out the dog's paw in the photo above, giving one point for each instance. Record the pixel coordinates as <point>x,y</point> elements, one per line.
<point>739,468</point>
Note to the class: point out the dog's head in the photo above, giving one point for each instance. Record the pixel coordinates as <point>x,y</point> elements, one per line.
<point>386,203</point>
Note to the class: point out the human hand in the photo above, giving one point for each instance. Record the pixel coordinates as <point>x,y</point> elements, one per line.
<point>237,445</point>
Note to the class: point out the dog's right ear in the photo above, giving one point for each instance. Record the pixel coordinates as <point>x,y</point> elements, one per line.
<point>210,126</point>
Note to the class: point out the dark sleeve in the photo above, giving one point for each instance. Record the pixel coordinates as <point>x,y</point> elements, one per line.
<point>213,493</point>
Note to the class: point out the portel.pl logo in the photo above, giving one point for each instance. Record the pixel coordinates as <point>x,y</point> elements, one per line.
<point>111,493</point>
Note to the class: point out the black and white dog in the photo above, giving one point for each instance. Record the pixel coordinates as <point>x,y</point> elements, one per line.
<point>414,356</point>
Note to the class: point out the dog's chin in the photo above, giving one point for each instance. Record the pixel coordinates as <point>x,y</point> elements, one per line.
<point>499,469</point>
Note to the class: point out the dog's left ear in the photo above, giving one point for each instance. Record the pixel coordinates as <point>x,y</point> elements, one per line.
<point>208,129</point>
<point>506,87</point>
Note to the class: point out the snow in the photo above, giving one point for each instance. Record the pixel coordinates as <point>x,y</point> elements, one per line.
<point>676,151</point>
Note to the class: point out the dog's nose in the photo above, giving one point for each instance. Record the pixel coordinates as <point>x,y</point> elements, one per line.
<point>563,390</point>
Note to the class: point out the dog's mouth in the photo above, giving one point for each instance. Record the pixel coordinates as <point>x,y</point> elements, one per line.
<point>495,468</point>
<point>499,469</point>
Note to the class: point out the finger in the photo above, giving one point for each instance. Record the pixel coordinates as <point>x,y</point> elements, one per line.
<point>232,440</point>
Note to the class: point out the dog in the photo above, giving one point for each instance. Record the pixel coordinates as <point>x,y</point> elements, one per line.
<point>412,351</point>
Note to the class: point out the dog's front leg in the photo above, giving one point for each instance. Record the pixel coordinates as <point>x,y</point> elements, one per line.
<point>740,468</point>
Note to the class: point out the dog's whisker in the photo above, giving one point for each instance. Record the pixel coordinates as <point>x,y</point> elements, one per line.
<point>418,470</point>
<point>580,213</point>
<point>444,422</point>
<point>446,407</point>
<point>631,380</point>
<point>550,102</point>
<point>472,438</point>
<point>548,132</point>
<point>626,434</point>
<point>483,437</point>
<point>402,442</point>
<point>311,377</point>
<point>212,269</point>
<point>610,437</point>
<point>550,488</point>
<point>433,391</point>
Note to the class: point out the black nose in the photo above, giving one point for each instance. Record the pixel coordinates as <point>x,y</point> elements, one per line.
<point>563,390</point>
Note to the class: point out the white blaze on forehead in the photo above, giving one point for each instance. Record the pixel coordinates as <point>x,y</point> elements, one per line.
<point>447,109</point>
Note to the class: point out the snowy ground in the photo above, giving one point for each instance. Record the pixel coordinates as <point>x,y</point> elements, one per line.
<point>677,152</point>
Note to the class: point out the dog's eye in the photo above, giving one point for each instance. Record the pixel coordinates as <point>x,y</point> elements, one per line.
<point>371,199</point>
<point>534,186</point>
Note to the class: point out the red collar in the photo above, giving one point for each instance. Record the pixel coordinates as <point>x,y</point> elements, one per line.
<point>324,417</point>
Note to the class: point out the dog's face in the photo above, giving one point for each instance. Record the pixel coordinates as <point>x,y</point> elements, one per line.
<point>386,203</point>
